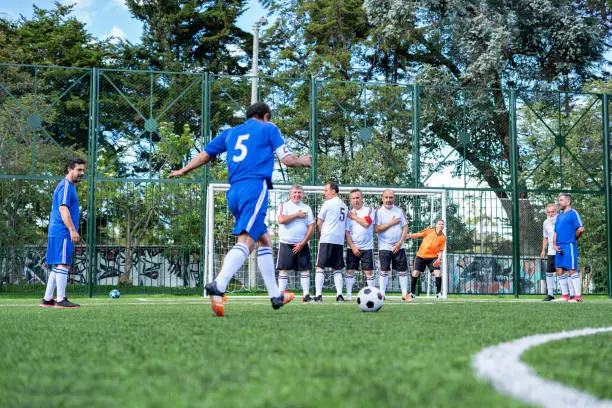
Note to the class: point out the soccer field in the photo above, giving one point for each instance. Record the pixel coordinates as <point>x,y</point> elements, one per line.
<point>171,352</point>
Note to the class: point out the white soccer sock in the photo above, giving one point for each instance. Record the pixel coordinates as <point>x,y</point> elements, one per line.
<point>50,286</point>
<point>319,279</point>
<point>61,278</point>
<point>282,282</point>
<point>350,280</point>
<point>403,280</point>
<point>570,286</point>
<point>550,283</point>
<point>563,283</point>
<point>384,278</point>
<point>305,281</point>
<point>371,282</point>
<point>576,283</point>
<point>338,282</point>
<point>231,263</point>
<point>265,262</point>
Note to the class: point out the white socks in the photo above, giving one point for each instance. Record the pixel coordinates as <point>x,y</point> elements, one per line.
<point>50,285</point>
<point>319,279</point>
<point>61,278</point>
<point>550,283</point>
<point>338,282</point>
<point>384,278</point>
<point>265,262</point>
<point>350,280</point>
<point>282,282</point>
<point>403,280</point>
<point>563,283</point>
<point>371,282</point>
<point>305,281</point>
<point>233,261</point>
<point>576,283</point>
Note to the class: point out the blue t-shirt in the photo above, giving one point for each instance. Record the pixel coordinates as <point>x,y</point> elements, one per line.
<point>250,150</point>
<point>566,225</point>
<point>64,194</point>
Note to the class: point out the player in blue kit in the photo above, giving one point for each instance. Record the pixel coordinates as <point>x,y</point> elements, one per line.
<point>568,228</point>
<point>250,151</point>
<point>63,234</point>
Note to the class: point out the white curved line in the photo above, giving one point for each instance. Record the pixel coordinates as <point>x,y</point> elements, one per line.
<point>502,367</point>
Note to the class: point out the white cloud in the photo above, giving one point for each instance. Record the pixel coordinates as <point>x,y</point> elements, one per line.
<point>83,10</point>
<point>116,34</point>
<point>121,4</point>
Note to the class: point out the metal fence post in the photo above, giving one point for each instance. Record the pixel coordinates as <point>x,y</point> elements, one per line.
<point>92,256</point>
<point>605,116</point>
<point>314,145</point>
<point>205,137</point>
<point>416,131</point>
<point>516,235</point>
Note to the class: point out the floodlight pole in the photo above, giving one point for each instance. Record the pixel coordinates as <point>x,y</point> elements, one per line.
<point>261,22</point>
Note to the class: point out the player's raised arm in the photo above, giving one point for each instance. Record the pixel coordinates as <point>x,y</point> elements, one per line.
<point>198,161</point>
<point>296,161</point>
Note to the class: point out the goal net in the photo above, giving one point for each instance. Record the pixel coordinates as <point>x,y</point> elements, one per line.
<point>423,208</point>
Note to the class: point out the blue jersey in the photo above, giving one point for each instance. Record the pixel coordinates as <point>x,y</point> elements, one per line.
<point>566,225</point>
<point>250,150</point>
<point>64,194</point>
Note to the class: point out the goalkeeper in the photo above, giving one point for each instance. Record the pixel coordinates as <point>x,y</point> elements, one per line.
<point>429,254</point>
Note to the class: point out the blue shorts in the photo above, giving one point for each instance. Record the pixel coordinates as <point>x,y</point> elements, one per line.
<point>568,260</point>
<point>248,201</point>
<point>59,251</point>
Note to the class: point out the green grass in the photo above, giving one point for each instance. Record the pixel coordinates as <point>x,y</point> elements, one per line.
<point>581,362</point>
<point>171,352</point>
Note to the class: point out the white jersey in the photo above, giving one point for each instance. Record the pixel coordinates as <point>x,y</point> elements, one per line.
<point>294,231</point>
<point>388,238</point>
<point>548,229</point>
<point>363,238</point>
<point>333,213</point>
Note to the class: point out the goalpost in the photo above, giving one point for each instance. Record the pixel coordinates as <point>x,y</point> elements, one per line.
<point>422,207</point>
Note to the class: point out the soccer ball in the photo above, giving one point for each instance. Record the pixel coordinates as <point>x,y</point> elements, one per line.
<point>114,294</point>
<point>370,299</point>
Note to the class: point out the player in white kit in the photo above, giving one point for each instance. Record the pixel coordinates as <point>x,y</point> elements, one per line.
<point>331,223</point>
<point>392,228</point>
<point>296,227</point>
<point>360,241</point>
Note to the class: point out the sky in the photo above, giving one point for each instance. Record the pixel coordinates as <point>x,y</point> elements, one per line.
<point>105,18</point>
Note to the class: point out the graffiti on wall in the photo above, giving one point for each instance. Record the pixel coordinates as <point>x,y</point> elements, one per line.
<point>143,266</point>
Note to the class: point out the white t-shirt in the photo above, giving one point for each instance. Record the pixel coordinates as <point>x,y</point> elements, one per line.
<point>333,213</point>
<point>388,238</point>
<point>294,231</point>
<point>548,229</point>
<point>363,238</point>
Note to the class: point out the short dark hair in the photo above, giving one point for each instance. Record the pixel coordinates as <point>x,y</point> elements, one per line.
<point>568,195</point>
<point>72,163</point>
<point>259,110</point>
<point>334,186</point>
<point>355,190</point>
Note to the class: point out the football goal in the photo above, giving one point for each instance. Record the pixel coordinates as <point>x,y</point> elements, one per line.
<point>423,207</point>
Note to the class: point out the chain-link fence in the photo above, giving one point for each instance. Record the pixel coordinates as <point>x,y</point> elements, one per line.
<point>501,156</point>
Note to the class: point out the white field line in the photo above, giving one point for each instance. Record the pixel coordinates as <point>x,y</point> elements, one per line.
<point>501,365</point>
<point>262,299</point>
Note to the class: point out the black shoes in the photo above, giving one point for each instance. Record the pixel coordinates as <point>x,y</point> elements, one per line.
<point>47,303</point>
<point>307,299</point>
<point>318,299</point>
<point>548,298</point>
<point>340,298</point>
<point>66,304</point>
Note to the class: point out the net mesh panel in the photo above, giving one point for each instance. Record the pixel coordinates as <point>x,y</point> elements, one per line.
<point>421,210</point>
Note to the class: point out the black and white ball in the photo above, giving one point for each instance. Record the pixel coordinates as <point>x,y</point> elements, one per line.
<point>370,299</point>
